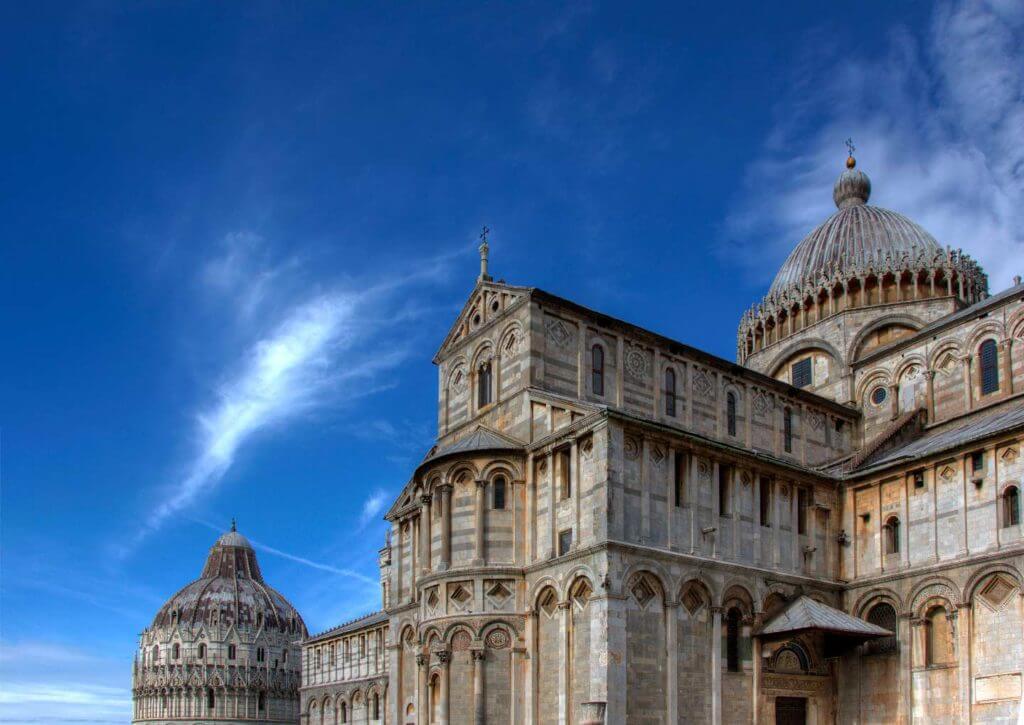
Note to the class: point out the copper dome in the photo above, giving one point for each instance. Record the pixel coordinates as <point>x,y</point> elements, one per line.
<point>856,235</point>
<point>231,591</point>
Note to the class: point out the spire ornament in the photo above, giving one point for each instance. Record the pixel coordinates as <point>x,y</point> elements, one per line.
<point>850,148</point>
<point>484,249</point>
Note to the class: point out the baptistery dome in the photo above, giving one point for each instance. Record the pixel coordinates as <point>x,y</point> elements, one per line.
<point>857,235</point>
<point>231,591</point>
<point>225,648</point>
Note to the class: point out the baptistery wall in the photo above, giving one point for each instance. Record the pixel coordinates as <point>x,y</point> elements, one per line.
<point>224,649</point>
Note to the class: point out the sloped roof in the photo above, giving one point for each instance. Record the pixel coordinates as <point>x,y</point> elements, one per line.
<point>481,439</point>
<point>804,613</point>
<point>367,620</point>
<point>957,433</point>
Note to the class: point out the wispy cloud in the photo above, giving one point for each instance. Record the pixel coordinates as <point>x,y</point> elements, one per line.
<point>937,122</point>
<point>372,507</point>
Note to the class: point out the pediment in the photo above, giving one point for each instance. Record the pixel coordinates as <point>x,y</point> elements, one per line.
<point>487,302</point>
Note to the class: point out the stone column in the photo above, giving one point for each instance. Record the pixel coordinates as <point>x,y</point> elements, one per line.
<point>478,524</point>
<point>894,401</point>
<point>929,377</point>
<point>1006,365</point>
<point>905,638</point>
<point>549,470</point>
<point>425,543</point>
<point>968,391</point>
<point>532,658</point>
<point>444,657</point>
<point>401,552</point>
<point>716,666</point>
<point>564,624</point>
<point>446,527</point>
<point>756,705</point>
<point>422,690</point>
<point>479,709</point>
<point>962,622</point>
<point>672,664</point>
<point>531,510</point>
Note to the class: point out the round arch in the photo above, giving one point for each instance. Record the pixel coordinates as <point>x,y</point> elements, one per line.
<point>904,320</point>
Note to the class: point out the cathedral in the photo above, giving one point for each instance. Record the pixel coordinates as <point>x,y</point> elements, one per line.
<point>614,527</point>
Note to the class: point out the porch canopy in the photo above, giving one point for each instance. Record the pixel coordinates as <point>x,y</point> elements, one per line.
<point>805,615</point>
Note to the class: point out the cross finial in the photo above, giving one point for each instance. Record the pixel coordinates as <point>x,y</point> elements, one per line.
<point>484,248</point>
<point>233,524</point>
<point>850,161</point>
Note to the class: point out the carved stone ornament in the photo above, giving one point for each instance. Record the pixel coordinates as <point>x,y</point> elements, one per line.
<point>631,447</point>
<point>559,333</point>
<point>459,381</point>
<point>815,419</point>
<point>637,363</point>
<point>587,447</point>
<point>947,473</point>
<point>1010,455</point>
<point>703,387</point>
<point>760,403</point>
<point>658,454</point>
<point>498,639</point>
<point>704,469</point>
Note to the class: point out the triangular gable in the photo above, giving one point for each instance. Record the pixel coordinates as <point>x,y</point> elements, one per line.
<point>804,613</point>
<point>907,427</point>
<point>468,322</point>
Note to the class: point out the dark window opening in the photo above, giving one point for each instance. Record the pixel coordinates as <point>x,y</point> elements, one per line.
<point>680,479</point>
<point>564,542</point>
<point>732,640</point>
<point>918,479</point>
<point>989,367</point>
<point>483,385</point>
<point>892,535</point>
<point>801,373</point>
<point>211,699</point>
<point>231,651</point>
<point>766,501</point>
<point>1011,506</point>
<point>499,492</point>
<point>730,413</point>
<point>978,462</point>
<point>724,493</point>
<point>787,429</point>
<point>597,369</point>
<point>670,393</point>
<point>801,511</point>
<point>564,460</point>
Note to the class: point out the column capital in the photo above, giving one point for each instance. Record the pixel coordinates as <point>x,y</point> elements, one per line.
<point>715,610</point>
<point>478,654</point>
<point>444,656</point>
<point>481,482</point>
<point>425,499</point>
<point>422,660</point>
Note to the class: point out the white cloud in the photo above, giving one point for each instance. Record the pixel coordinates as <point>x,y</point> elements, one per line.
<point>937,121</point>
<point>372,506</point>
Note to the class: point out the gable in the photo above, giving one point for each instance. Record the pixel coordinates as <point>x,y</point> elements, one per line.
<point>488,302</point>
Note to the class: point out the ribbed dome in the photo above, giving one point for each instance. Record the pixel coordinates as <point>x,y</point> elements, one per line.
<point>856,235</point>
<point>230,591</point>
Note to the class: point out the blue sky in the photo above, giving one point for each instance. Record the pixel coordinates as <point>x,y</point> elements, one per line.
<point>233,235</point>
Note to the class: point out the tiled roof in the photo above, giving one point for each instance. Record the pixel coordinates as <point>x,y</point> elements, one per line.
<point>957,433</point>
<point>804,613</point>
<point>368,620</point>
<point>481,439</point>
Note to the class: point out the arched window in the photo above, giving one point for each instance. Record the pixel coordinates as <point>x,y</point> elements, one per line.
<point>597,369</point>
<point>211,698</point>
<point>156,653</point>
<point>344,712</point>
<point>319,656</point>
<point>499,492</point>
<point>261,701</point>
<point>202,651</point>
<point>730,412</point>
<point>376,706</point>
<point>284,655</point>
<point>176,651</point>
<point>259,620</point>
<point>732,640</point>
<point>231,651</point>
<point>483,384</point>
<point>670,392</point>
<point>787,429</point>
<point>261,655</point>
<point>1011,506</point>
<point>892,535</point>
<point>883,615</point>
<point>989,358</point>
<point>939,637</point>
